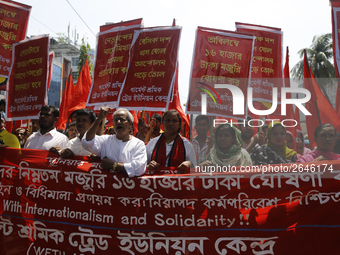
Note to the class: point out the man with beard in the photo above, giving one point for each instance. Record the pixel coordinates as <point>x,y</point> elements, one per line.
<point>47,136</point>
<point>20,134</point>
<point>122,152</point>
<point>84,120</point>
<point>7,139</point>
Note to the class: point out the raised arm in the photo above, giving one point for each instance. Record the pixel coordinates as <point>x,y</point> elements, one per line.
<point>104,111</point>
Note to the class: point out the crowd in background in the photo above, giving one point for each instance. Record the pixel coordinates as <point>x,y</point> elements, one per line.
<point>162,143</point>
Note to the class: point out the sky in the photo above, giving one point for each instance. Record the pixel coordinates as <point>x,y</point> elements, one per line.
<point>300,20</point>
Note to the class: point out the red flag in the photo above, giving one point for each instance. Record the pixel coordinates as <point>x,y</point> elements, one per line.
<point>176,104</point>
<point>337,100</point>
<point>78,100</point>
<point>320,108</point>
<point>65,101</point>
<point>135,121</point>
<point>290,111</point>
<point>297,118</point>
<point>50,68</point>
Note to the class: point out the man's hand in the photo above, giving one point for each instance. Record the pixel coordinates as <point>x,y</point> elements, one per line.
<point>153,165</point>
<point>260,138</point>
<point>152,123</point>
<point>55,149</point>
<point>104,111</point>
<point>107,164</point>
<point>184,167</point>
<point>206,163</point>
<point>67,153</point>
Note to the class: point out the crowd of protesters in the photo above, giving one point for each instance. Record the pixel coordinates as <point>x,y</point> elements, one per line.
<point>162,142</point>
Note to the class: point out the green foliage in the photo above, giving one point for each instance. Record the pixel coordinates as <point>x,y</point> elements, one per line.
<point>319,55</point>
<point>85,48</point>
<point>62,38</point>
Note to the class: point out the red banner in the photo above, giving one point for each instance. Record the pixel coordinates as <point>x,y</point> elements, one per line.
<point>336,35</point>
<point>266,71</point>
<point>13,25</point>
<point>220,57</point>
<point>51,205</point>
<point>27,88</point>
<point>111,64</point>
<point>151,71</point>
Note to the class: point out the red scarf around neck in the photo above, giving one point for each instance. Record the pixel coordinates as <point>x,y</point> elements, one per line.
<point>176,156</point>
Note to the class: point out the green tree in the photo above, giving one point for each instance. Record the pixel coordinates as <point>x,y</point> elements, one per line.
<point>62,38</point>
<point>85,48</point>
<point>319,55</point>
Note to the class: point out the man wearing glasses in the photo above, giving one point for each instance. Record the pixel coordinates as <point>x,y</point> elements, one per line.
<point>122,152</point>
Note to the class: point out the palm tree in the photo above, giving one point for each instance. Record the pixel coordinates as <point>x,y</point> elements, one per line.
<point>319,55</point>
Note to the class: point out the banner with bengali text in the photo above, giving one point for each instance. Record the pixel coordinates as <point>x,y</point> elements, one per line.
<point>13,24</point>
<point>112,57</point>
<point>27,86</point>
<point>336,37</point>
<point>51,205</point>
<point>267,65</point>
<point>220,57</point>
<point>151,71</point>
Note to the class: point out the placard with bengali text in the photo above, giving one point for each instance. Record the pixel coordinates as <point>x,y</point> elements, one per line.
<point>151,71</point>
<point>27,87</point>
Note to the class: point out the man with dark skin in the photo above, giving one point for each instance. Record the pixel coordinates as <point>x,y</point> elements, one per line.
<point>247,132</point>
<point>202,143</point>
<point>47,137</point>
<point>155,127</point>
<point>20,134</point>
<point>84,120</point>
<point>122,152</point>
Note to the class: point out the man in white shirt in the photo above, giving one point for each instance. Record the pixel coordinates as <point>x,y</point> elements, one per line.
<point>122,152</point>
<point>84,120</point>
<point>47,136</point>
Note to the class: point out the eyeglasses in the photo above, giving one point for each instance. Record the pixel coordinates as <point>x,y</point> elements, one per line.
<point>122,120</point>
<point>169,121</point>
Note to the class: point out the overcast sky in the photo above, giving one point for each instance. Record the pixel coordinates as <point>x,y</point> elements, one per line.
<point>299,20</point>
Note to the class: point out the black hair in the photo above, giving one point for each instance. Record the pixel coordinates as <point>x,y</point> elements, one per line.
<point>322,126</point>
<point>87,112</point>
<point>248,118</point>
<point>55,110</point>
<point>157,117</point>
<point>72,124</point>
<point>202,117</point>
<point>2,102</point>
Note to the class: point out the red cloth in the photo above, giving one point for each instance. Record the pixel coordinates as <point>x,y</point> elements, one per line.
<point>65,101</point>
<point>176,104</point>
<point>289,110</point>
<point>82,89</point>
<point>320,108</point>
<point>176,155</point>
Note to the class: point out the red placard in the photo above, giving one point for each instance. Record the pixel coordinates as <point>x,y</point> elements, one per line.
<point>267,60</point>
<point>51,205</point>
<point>27,87</point>
<point>13,25</point>
<point>112,56</point>
<point>121,24</point>
<point>220,57</point>
<point>151,70</point>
